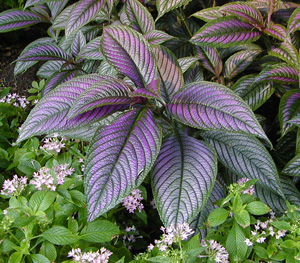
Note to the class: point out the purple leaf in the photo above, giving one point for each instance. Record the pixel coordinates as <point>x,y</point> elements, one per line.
<point>225,32</point>
<point>169,71</point>
<point>187,62</point>
<point>60,22</point>
<point>208,14</point>
<point>50,113</point>
<point>91,50</point>
<point>211,106</point>
<point>14,19</point>
<point>34,2</point>
<point>254,93</point>
<point>165,6</point>
<point>183,177</point>
<point>289,108</point>
<point>129,53</point>
<point>83,12</point>
<point>293,167</point>
<point>109,91</point>
<point>246,157</point>
<point>157,37</point>
<point>119,158</point>
<point>194,74</point>
<point>245,12</point>
<point>51,67</point>
<point>56,7</point>
<point>145,93</point>
<point>210,59</point>
<point>273,6</point>
<point>294,21</point>
<point>139,17</point>
<point>287,52</point>
<point>277,31</point>
<point>78,43</point>
<point>239,61</point>
<point>46,51</point>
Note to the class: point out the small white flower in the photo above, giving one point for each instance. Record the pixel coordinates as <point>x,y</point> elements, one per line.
<point>151,247</point>
<point>133,201</point>
<point>261,240</point>
<point>248,242</point>
<point>15,186</point>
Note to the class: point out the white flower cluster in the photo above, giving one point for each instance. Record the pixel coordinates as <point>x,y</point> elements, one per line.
<point>100,256</point>
<point>44,177</point>
<point>262,231</point>
<point>15,100</point>
<point>215,251</point>
<point>250,190</point>
<point>171,235</point>
<point>14,186</point>
<point>53,145</point>
<point>133,201</point>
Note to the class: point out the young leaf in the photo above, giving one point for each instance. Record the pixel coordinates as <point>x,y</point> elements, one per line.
<point>91,50</point>
<point>225,32</point>
<point>293,167</point>
<point>139,17</point>
<point>129,53</point>
<point>165,6</point>
<point>208,14</point>
<point>14,19</point>
<point>157,37</point>
<point>210,59</point>
<point>109,91</point>
<point>254,94</point>
<point>239,61</point>
<point>287,52</point>
<point>246,157</point>
<point>294,21</point>
<point>59,235</point>
<point>211,106</point>
<point>169,71</point>
<point>245,12</point>
<point>50,114</point>
<point>183,177</point>
<point>289,108</point>
<point>119,157</point>
<point>82,13</point>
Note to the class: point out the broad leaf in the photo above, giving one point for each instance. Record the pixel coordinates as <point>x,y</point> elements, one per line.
<point>119,158</point>
<point>183,177</point>
<point>245,12</point>
<point>78,43</point>
<point>82,13</point>
<point>246,157</point>
<point>60,22</point>
<point>255,94</point>
<point>50,114</point>
<point>34,2</point>
<point>91,50</point>
<point>129,53</point>
<point>293,167</point>
<point>294,21</point>
<point>225,32</point>
<point>59,235</point>
<point>287,52</point>
<point>139,17</point>
<point>208,14</point>
<point>186,62</point>
<point>239,61</point>
<point>211,106</point>
<point>169,71</point>
<point>49,68</point>
<point>109,91</point>
<point>41,200</point>
<point>56,7</point>
<point>277,31</point>
<point>289,108</point>
<point>165,6</point>
<point>157,37</point>
<point>194,74</point>
<point>210,59</point>
<point>39,258</point>
<point>290,190</point>
<point>14,19</point>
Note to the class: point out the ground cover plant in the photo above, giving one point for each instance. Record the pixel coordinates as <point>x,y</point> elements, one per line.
<point>184,96</point>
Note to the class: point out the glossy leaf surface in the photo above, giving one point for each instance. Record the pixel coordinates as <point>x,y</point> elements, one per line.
<point>165,6</point>
<point>293,167</point>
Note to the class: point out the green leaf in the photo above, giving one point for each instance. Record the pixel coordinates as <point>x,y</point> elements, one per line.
<point>257,208</point>
<point>99,231</point>
<point>242,218</point>
<point>261,252</point>
<point>217,217</point>
<point>59,235</point>
<point>48,250</point>
<point>208,14</point>
<point>42,200</point>
<point>281,225</point>
<point>287,52</point>
<point>16,257</point>
<point>29,167</point>
<point>165,6</point>
<point>39,258</point>
<point>294,21</point>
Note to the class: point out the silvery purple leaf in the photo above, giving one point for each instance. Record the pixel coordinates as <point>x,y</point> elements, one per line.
<point>157,37</point>
<point>119,158</point>
<point>208,14</point>
<point>91,50</point>
<point>225,32</point>
<point>56,7</point>
<point>211,106</point>
<point>165,6</point>
<point>287,52</point>
<point>83,12</point>
<point>210,59</point>
<point>254,93</point>
<point>245,12</point>
<point>145,93</point>
<point>239,61</point>
<point>245,156</point>
<point>273,6</point>
<point>129,53</point>
<point>60,22</point>
<point>34,2</point>
<point>277,31</point>
<point>106,69</point>
<point>49,68</point>
<point>292,168</point>
<point>194,74</point>
<point>59,78</point>
<point>14,19</point>
<point>169,71</point>
<point>294,21</point>
<point>187,62</point>
<point>43,52</point>
<point>183,178</point>
<point>139,17</point>
<point>50,113</point>
<point>289,108</point>
<point>109,91</point>
<point>78,43</point>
